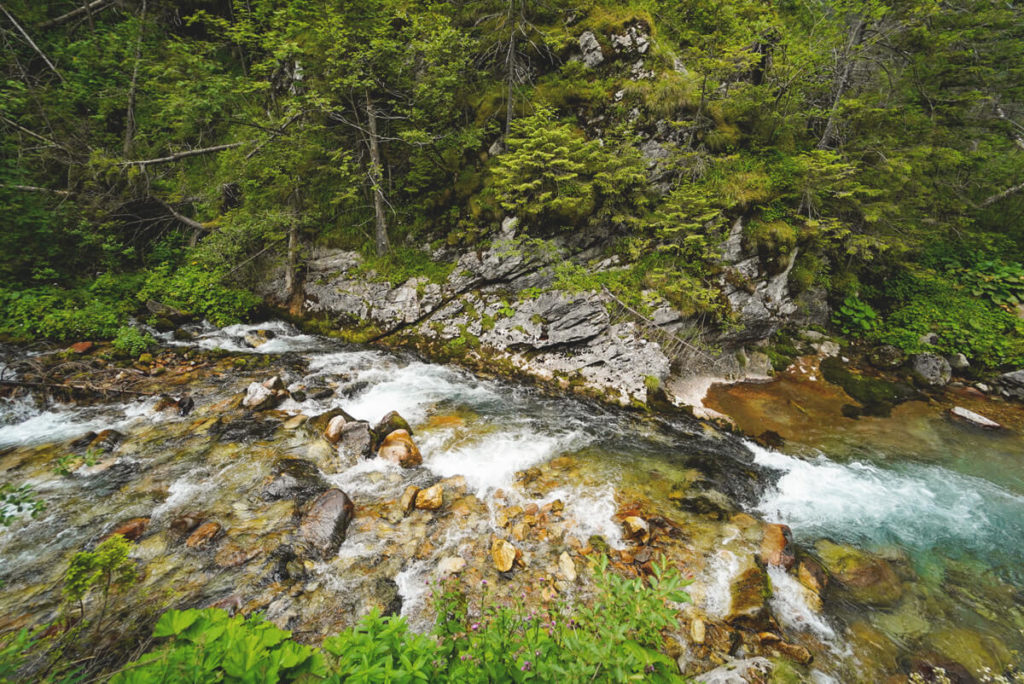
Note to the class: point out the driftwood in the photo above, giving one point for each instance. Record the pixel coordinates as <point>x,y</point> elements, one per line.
<point>69,388</point>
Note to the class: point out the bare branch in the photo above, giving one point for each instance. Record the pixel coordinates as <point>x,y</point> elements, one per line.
<point>84,9</point>
<point>32,42</point>
<point>186,153</point>
<point>998,197</point>
<point>33,188</point>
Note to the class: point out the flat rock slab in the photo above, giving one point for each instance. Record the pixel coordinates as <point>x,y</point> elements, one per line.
<point>960,414</point>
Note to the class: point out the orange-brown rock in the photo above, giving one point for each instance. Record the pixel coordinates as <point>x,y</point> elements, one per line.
<point>203,535</point>
<point>812,575</point>
<point>131,530</point>
<point>81,347</point>
<point>408,500</point>
<point>504,555</point>
<point>637,529</point>
<point>777,546</point>
<point>399,448</point>
<point>431,498</point>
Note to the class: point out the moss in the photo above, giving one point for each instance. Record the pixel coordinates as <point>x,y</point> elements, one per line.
<point>877,396</point>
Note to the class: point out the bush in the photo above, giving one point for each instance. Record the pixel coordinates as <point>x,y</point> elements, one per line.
<point>58,314</point>
<point>131,341</point>
<point>616,637</point>
<point>200,291</point>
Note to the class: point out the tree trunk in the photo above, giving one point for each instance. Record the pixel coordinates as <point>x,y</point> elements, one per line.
<point>129,119</point>
<point>381,232</point>
<point>842,82</point>
<point>510,70</point>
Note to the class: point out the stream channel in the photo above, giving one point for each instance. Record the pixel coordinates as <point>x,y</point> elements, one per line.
<point>924,517</point>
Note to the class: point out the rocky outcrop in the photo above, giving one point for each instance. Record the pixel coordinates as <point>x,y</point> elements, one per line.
<point>1012,384</point>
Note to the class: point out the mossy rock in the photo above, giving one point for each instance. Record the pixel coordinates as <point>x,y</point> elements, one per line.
<point>864,577</point>
<point>876,396</point>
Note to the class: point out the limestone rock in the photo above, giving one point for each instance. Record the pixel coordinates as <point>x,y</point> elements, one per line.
<point>1012,384</point>
<point>355,442</point>
<point>334,429</point>
<point>566,567</point>
<point>959,413</point>
<point>399,448</point>
<point>504,555</point>
<point>591,49</point>
<point>931,369</point>
<point>452,565</point>
<point>258,397</point>
<point>431,498</point>
<point>324,525</point>
<point>745,671</point>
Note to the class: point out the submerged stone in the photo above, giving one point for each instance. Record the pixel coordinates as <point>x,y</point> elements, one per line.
<point>325,524</point>
<point>866,578</point>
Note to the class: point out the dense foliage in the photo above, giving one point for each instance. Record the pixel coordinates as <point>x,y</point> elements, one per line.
<point>617,636</point>
<point>170,151</point>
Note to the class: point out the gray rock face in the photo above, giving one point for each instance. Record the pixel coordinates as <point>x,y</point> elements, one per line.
<point>591,49</point>
<point>323,527</point>
<point>763,304</point>
<point>930,369</point>
<point>746,671</point>
<point>356,442</point>
<point>634,42</point>
<point>1012,384</point>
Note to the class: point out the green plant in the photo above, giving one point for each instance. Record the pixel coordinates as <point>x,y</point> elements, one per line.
<point>130,341</point>
<point>856,317</point>
<point>106,568</point>
<point>199,290</point>
<point>17,500</point>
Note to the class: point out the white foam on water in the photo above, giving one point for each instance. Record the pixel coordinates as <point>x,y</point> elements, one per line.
<point>414,587</point>
<point>28,425</point>
<point>185,489</point>
<point>789,604</point>
<point>492,461</point>
<point>716,581</point>
<point>919,506</point>
<point>412,390</point>
<point>287,338</point>
<point>589,511</point>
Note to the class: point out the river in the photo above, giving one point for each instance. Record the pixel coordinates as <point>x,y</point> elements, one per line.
<point>943,505</point>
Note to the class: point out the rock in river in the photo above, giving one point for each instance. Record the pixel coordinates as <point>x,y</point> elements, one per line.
<point>931,369</point>
<point>323,527</point>
<point>504,555</point>
<point>399,448</point>
<point>866,578</point>
<point>960,414</point>
<point>431,498</point>
<point>389,423</point>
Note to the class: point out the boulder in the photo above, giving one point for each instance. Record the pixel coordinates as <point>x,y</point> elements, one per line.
<point>958,362</point>
<point>566,567</point>
<point>324,525</point>
<point>258,397</point>
<point>930,369</point>
<point>389,423</point>
<point>355,441</point>
<point>962,415</point>
<point>866,578</point>
<point>777,546</point>
<point>203,535</point>
<point>318,424</point>
<point>106,440</point>
<point>452,565</point>
<point>886,357</point>
<point>130,530</point>
<point>504,555</point>
<point>294,478</point>
<point>399,448</point>
<point>275,383</point>
<point>745,671</point>
<point>431,498</point>
<point>1012,384</point>
<point>591,49</point>
<point>637,529</point>
<point>749,593</point>
<point>257,338</point>
<point>812,575</point>
<point>184,524</point>
<point>334,429</point>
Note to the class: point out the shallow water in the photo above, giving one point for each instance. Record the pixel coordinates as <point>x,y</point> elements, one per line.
<point>497,444</point>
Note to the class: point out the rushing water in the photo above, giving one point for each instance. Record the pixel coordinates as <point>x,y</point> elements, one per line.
<point>960,529</point>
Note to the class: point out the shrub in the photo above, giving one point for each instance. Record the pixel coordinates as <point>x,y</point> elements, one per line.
<point>200,291</point>
<point>130,341</point>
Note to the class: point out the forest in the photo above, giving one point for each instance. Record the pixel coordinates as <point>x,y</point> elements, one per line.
<point>168,151</point>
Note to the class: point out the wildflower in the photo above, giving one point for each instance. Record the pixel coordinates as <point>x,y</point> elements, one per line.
<point>475,626</point>
<point>649,669</point>
<point>527,666</point>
